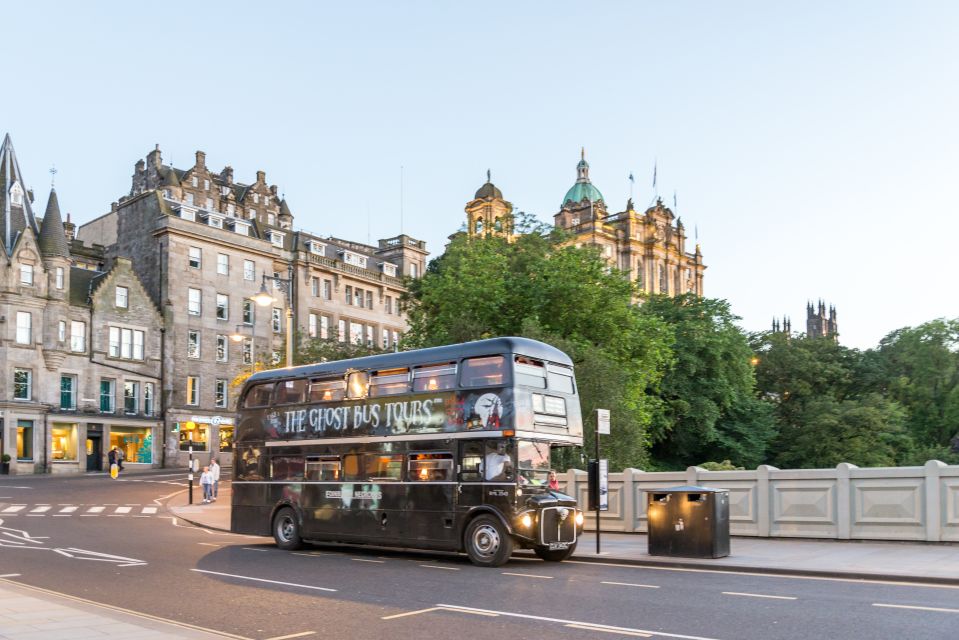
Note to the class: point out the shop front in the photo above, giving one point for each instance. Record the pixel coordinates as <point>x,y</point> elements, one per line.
<point>206,435</point>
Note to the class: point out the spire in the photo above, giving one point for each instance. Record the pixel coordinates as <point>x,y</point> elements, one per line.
<point>489,177</point>
<point>53,237</point>
<point>16,214</point>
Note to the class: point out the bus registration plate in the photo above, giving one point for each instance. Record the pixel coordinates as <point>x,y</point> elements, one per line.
<point>556,546</point>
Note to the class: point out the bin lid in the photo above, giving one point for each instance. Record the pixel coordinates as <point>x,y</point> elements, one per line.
<point>689,489</point>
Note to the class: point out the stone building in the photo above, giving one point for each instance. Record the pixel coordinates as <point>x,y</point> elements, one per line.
<point>80,347</point>
<point>818,324</point>
<point>651,246</point>
<point>204,245</point>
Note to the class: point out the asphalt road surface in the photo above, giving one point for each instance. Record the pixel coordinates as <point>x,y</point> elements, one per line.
<point>112,542</point>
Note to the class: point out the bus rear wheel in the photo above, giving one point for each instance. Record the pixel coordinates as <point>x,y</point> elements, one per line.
<point>487,542</point>
<point>556,555</point>
<point>286,530</point>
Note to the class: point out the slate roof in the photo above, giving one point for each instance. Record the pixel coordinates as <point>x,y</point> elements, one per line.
<point>13,218</point>
<point>53,238</point>
<point>81,283</point>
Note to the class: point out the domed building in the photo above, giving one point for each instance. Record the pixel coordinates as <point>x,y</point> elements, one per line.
<point>488,213</point>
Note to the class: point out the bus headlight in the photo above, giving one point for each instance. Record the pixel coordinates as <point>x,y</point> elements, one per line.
<point>526,521</point>
<point>579,518</point>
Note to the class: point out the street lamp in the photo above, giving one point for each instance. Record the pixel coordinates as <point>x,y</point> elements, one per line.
<point>263,298</point>
<point>236,336</point>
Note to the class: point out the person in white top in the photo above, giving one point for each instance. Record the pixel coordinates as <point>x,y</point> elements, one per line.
<point>498,463</point>
<point>215,470</point>
<point>206,481</point>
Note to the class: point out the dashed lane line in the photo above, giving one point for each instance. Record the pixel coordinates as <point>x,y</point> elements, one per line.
<point>436,566</point>
<point>631,584</point>
<point>293,635</point>
<point>906,606</point>
<point>621,632</point>
<point>758,595</point>
<point>286,584</point>
<point>527,575</point>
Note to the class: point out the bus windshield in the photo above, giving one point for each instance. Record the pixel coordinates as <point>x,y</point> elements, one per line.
<point>532,462</point>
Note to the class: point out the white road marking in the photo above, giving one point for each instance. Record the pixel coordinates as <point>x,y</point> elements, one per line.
<point>149,510</point>
<point>631,584</point>
<point>293,635</point>
<point>10,575</point>
<point>590,625</point>
<point>96,509</point>
<point>122,510</point>
<point>527,575</point>
<point>252,549</point>
<point>366,560</point>
<point>43,508</point>
<point>14,508</point>
<point>411,613</point>
<point>69,509</point>
<point>288,584</point>
<point>899,583</point>
<point>296,553</point>
<point>638,634</point>
<point>757,595</point>
<point>436,566</point>
<point>210,544</point>
<point>906,606</point>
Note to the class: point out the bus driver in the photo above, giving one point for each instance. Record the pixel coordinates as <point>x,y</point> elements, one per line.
<point>498,463</point>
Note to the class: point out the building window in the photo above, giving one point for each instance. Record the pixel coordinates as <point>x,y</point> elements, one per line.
<point>78,336</point>
<point>348,297</point>
<point>386,338</point>
<point>194,181</point>
<point>249,270</point>
<point>68,396</point>
<point>62,331</point>
<point>389,304</point>
<point>24,439</point>
<point>271,220</point>
<point>223,264</point>
<point>148,398</point>
<point>277,320</point>
<point>414,270</point>
<point>24,327</point>
<point>222,352</point>
<point>222,307</point>
<point>276,239</point>
<point>325,327</point>
<point>22,384</point>
<point>26,274</point>
<point>138,340</point>
<point>389,269</point>
<point>193,344</point>
<point>59,278</point>
<point>312,326</point>
<point>188,198</point>
<point>114,342</point>
<point>107,395</point>
<point>356,333</point>
<point>327,290</point>
<point>220,393</point>
<point>192,390</point>
<point>354,258</point>
<point>370,332</point>
<point>251,214</point>
<point>358,297</point>
<point>131,398</point>
<point>315,287</point>
<point>193,302</point>
<point>256,198</point>
<point>196,257</point>
<point>16,194</point>
<point>126,343</point>
<point>662,279</point>
<point>341,331</point>
<point>247,352</point>
<point>247,312</point>
<point>369,299</point>
<point>396,338</point>
<point>122,297</point>
<point>63,442</point>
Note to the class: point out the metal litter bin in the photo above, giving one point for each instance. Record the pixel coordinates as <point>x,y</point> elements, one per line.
<point>692,522</point>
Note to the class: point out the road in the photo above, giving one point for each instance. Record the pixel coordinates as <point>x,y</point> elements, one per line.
<point>112,542</point>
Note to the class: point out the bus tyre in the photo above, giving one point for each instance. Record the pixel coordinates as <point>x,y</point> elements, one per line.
<point>286,530</point>
<point>557,555</point>
<point>487,542</point>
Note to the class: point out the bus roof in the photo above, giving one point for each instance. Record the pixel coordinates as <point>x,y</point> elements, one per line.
<point>521,346</point>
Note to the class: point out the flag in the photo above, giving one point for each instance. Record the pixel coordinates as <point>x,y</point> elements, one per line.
<point>654,175</point>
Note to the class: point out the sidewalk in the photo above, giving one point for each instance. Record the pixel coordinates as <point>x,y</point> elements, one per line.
<point>896,561</point>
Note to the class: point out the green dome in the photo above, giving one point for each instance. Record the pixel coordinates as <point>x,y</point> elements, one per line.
<point>583,191</point>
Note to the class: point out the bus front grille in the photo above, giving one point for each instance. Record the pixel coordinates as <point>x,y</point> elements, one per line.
<point>555,528</point>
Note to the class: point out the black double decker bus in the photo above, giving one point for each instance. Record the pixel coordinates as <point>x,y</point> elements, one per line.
<point>444,448</point>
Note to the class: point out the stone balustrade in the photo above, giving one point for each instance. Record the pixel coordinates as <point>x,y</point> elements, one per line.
<point>845,503</point>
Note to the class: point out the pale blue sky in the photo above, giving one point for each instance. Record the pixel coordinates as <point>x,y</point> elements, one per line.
<point>813,146</point>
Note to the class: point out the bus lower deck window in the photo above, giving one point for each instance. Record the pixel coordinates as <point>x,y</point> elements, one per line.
<point>430,467</point>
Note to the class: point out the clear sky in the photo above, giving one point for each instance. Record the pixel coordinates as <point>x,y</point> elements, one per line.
<point>812,145</point>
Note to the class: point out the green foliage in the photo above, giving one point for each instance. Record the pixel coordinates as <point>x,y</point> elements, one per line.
<point>725,465</point>
<point>320,350</point>
<point>706,402</point>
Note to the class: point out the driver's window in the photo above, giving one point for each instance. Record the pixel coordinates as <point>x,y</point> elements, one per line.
<point>498,462</point>
<point>471,462</point>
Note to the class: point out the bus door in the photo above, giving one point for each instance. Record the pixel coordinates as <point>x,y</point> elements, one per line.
<point>470,475</point>
<point>431,496</point>
<point>371,500</point>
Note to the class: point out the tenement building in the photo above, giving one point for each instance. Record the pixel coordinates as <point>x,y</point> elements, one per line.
<point>651,247</point>
<point>204,245</point>
<point>80,346</point>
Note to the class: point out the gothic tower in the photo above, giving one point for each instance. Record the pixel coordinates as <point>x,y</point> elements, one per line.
<point>819,324</point>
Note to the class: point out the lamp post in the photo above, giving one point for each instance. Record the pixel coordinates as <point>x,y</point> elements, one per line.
<point>263,298</point>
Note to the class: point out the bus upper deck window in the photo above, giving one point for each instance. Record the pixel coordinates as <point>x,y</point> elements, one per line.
<point>434,377</point>
<point>482,372</point>
<point>560,378</point>
<point>290,392</point>
<point>357,382</point>
<point>258,396</point>
<point>529,372</point>
<point>389,382</point>
<point>327,390</point>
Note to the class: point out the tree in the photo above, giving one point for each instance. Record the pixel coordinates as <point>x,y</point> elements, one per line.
<point>707,406</point>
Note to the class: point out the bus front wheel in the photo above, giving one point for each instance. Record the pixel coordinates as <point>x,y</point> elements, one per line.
<point>286,530</point>
<point>488,544</point>
<point>556,555</point>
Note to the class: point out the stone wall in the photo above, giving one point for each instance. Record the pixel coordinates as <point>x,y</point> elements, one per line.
<point>845,503</point>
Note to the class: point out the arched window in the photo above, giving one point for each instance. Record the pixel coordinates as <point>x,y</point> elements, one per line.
<point>497,224</point>
<point>479,225</point>
<point>639,272</point>
<point>663,283</point>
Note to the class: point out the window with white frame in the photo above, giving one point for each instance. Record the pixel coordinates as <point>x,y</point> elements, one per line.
<point>126,343</point>
<point>316,248</point>
<point>138,340</point>
<point>107,397</point>
<point>389,269</point>
<point>131,398</point>
<point>26,274</point>
<point>114,342</point>
<point>230,208</point>
<point>24,327</point>
<point>192,390</point>
<point>223,264</point>
<point>369,299</point>
<point>62,331</point>
<point>206,185</point>
<point>388,304</point>
<point>188,198</point>
<point>222,350</point>
<point>247,352</point>
<point>276,239</point>
<point>356,333</point>
<point>195,181</point>
<point>22,384</point>
<point>16,194</point>
<point>396,338</point>
<point>122,298</point>
<point>325,327</point>
<point>193,344</point>
<point>209,206</point>
<point>249,270</point>
<point>58,278</point>
<point>348,294</point>
<point>315,287</point>
<point>195,257</point>
<point>414,270</point>
<point>193,302</point>
<point>386,338</point>
<point>68,392</point>
<point>277,320</point>
<point>148,398</point>
<point>327,290</point>
<point>312,325</point>
<point>369,335</point>
<point>78,336</point>
<point>270,219</point>
<point>358,297</point>
<point>354,259</point>
<point>186,213</point>
<point>220,395</point>
<point>341,331</point>
<point>222,307</point>
<point>251,214</point>
<point>248,310</point>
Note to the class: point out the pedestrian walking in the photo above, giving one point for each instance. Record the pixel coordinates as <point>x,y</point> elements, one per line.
<point>206,481</point>
<point>120,458</point>
<point>215,470</point>
<point>112,460</point>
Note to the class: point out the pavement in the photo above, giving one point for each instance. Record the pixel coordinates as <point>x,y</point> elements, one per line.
<point>29,613</point>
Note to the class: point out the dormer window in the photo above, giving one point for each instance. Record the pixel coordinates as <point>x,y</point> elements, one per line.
<point>241,227</point>
<point>194,181</point>
<point>354,258</point>
<point>275,238</point>
<point>216,221</point>
<point>188,214</point>
<point>231,209</point>
<point>316,248</point>
<point>388,268</point>
<point>270,219</point>
<point>16,194</point>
